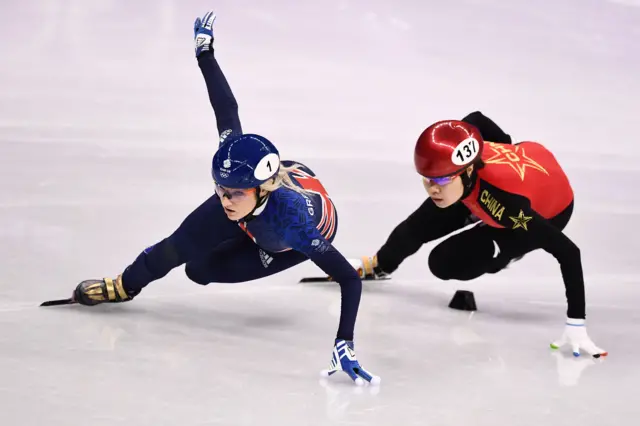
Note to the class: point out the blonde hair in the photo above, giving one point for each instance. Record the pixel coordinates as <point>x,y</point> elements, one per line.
<point>283,179</point>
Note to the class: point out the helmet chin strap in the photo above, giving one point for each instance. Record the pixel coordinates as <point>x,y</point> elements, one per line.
<point>468,182</point>
<point>260,200</point>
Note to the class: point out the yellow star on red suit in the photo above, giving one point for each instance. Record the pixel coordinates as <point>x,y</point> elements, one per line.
<point>513,156</point>
<point>520,221</point>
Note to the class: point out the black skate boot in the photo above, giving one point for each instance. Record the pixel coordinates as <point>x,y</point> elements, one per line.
<point>94,292</point>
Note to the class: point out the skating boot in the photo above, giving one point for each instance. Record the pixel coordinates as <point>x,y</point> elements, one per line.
<point>368,268</point>
<point>94,292</point>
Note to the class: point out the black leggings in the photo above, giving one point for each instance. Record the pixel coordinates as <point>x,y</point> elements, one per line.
<point>484,249</point>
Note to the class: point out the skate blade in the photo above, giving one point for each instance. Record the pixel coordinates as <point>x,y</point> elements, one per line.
<point>58,302</point>
<point>330,280</point>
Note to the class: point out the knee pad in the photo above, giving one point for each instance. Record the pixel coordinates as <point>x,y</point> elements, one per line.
<point>194,272</point>
<point>497,265</point>
<point>440,264</point>
<point>201,272</point>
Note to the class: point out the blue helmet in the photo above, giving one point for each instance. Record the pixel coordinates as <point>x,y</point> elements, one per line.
<point>245,161</point>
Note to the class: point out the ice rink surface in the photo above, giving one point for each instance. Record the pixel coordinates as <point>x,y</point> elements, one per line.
<point>106,136</point>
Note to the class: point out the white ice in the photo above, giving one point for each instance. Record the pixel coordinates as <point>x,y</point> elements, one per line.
<point>106,135</point>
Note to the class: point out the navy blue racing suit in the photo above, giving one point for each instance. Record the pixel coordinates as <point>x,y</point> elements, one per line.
<point>289,228</point>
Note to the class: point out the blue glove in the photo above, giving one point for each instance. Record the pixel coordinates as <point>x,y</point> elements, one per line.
<point>203,33</point>
<point>344,359</point>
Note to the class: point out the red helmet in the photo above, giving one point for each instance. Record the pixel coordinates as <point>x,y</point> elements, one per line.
<point>446,148</point>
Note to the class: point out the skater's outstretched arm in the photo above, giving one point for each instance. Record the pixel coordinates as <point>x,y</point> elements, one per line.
<point>221,97</point>
<point>334,264</point>
<point>551,239</point>
<point>301,234</point>
<point>306,238</point>
<point>427,223</point>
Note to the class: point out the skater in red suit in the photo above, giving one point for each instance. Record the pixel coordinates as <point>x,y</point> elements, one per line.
<point>518,193</point>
